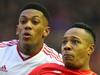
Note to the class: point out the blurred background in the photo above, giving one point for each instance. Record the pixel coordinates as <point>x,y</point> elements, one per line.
<point>62,13</point>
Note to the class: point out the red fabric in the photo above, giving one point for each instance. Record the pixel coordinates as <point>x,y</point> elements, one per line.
<point>50,68</point>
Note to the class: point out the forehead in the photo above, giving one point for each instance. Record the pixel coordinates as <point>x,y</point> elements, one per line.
<point>76,32</point>
<point>31,12</point>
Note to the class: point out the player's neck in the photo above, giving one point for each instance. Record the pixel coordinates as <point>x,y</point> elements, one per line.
<point>84,67</point>
<point>29,49</point>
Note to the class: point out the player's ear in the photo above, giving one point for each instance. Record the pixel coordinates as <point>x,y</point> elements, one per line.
<point>46,32</point>
<point>91,49</point>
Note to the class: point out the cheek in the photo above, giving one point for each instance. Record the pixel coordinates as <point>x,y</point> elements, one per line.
<point>78,50</point>
<point>18,30</point>
<point>81,53</point>
<point>39,30</point>
<point>62,50</point>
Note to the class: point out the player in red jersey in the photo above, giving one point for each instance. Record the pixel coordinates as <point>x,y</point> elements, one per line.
<point>77,48</point>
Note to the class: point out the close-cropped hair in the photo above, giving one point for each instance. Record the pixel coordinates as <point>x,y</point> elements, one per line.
<point>85,27</point>
<point>37,6</point>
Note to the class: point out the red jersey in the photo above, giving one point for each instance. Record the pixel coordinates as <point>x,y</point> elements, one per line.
<point>55,69</point>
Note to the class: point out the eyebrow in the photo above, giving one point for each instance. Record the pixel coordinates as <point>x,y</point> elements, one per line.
<point>31,17</point>
<point>73,37</point>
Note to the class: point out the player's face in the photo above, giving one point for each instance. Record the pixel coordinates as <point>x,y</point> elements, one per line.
<point>76,48</point>
<point>32,27</point>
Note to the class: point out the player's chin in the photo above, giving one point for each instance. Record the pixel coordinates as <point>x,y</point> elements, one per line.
<point>27,40</point>
<point>68,61</point>
<point>70,65</point>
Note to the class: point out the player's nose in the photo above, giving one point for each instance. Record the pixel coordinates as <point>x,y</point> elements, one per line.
<point>28,26</point>
<point>67,46</point>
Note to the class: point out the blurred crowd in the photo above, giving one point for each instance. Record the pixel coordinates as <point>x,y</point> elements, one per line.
<point>62,13</point>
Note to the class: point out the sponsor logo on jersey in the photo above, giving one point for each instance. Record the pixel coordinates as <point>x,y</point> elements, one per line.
<point>3,68</point>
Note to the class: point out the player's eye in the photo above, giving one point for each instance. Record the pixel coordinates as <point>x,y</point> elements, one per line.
<point>74,41</point>
<point>64,42</point>
<point>23,20</point>
<point>35,20</point>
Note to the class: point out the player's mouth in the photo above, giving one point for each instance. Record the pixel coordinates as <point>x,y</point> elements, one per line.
<point>68,56</point>
<point>27,35</point>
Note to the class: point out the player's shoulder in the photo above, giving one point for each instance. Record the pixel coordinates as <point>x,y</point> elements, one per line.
<point>48,68</point>
<point>51,65</point>
<point>49,49</point>
<point>53,54</point>
<point>8,43</point>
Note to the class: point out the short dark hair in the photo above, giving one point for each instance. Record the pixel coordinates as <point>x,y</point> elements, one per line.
<point>36,6</point>
<point>86,27</point>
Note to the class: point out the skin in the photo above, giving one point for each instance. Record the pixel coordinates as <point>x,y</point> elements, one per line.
<point>31,30</point>
<point>77,47</point>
